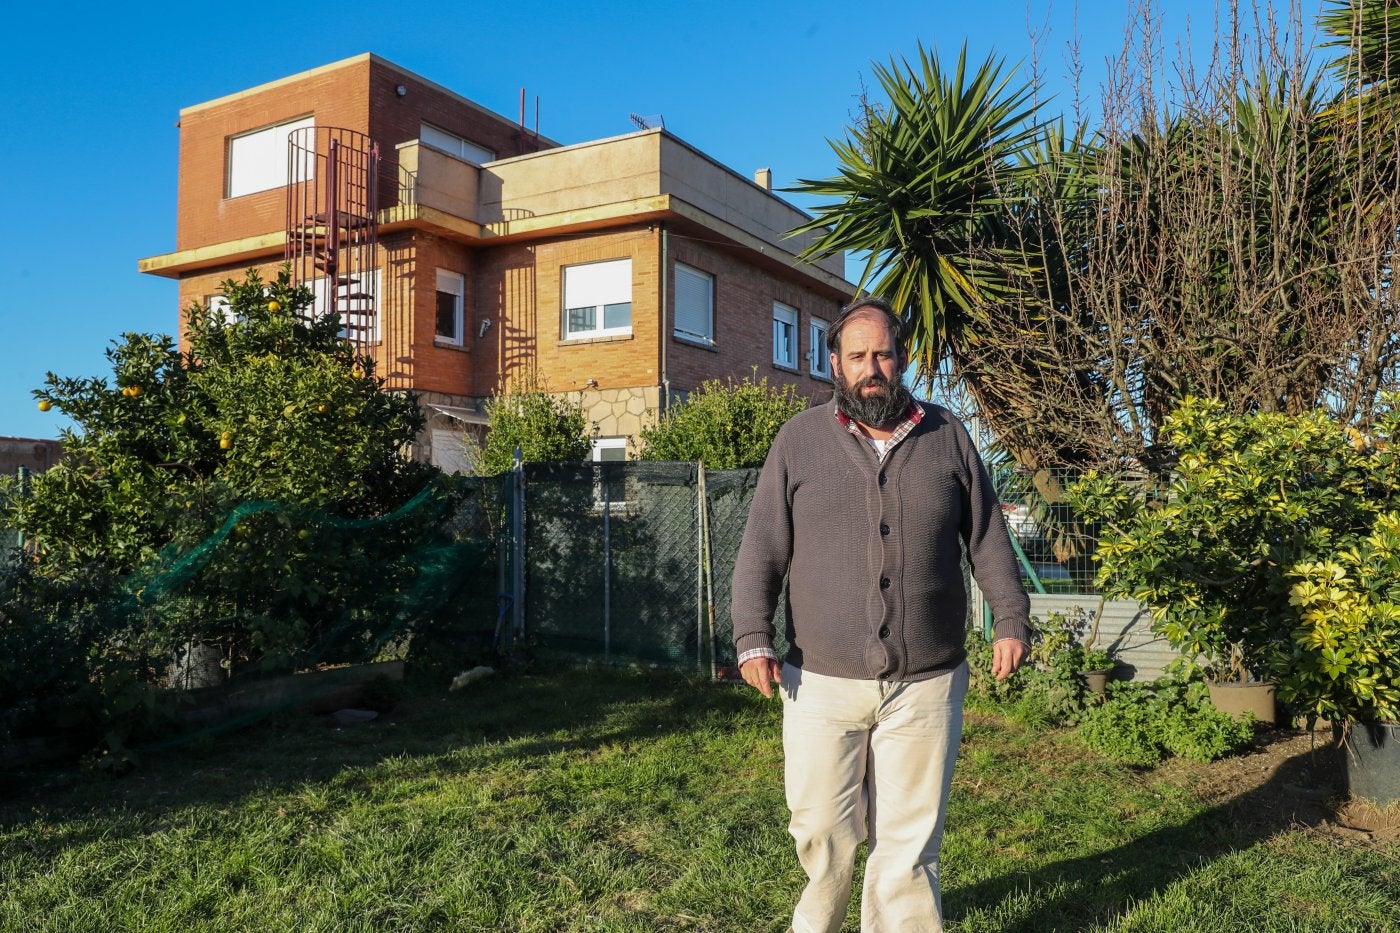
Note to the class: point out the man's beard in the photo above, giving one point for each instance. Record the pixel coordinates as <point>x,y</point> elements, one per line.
<point>884,408</point>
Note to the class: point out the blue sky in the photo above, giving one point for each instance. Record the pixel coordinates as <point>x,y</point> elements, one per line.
<point>93,91</point>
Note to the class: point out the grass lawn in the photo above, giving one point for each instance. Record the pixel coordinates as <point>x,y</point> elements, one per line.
<point>607,800</point>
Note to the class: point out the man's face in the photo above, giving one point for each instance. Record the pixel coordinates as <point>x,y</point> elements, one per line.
<point>869,382</point>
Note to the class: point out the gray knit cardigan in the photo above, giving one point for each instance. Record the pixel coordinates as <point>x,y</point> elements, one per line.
<point>871,550</point>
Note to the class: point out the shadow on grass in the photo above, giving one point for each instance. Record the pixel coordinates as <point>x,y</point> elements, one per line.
<point>1098,888</point>
<point>504,718</point>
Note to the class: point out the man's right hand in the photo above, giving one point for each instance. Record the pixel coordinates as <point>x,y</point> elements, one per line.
<point>761,674</point>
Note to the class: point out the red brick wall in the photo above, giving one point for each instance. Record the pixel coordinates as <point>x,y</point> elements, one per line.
<point>358,96</point>
<point>436,367</point>
<point>394,120</point>
<point>337,97</point>
<point>518,288</point>
<point>743,322</point>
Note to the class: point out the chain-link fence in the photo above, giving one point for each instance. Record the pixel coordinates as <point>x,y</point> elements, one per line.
<point>1056,547</point>
<point>11,539</point>
<point>631,561</point>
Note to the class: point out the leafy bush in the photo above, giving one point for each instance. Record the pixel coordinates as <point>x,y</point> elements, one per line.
<point>208,496</point>
<point>1048,691</point>
<point>267,404</point>
<point>547,428</point>
<point>1274,547</point>
<point>725,424</point>
<point>1140,723</point>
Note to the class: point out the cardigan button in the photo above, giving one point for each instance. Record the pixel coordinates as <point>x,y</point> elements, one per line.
<point>884,631</point>
<point>884,583</point>
<point>882,477</point>
<point>884,529</point>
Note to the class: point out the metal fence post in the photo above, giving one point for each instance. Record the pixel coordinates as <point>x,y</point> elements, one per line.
<point>607,564</point>
<point>707,567</point>
<point>23,492</point>
<point>517,535</point>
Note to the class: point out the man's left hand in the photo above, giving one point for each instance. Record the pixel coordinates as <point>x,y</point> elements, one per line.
<point>1007,655</point>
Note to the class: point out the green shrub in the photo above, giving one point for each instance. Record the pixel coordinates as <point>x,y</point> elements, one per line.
<point>1273,548</point>
<point>547,428</point>
<point>725,424</point>
<point>1141,723</point>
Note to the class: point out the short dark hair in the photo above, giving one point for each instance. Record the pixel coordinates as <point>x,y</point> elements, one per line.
<point>867,303</point>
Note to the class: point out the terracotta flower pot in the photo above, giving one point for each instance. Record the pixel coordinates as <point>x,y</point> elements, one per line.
<point>1236,699</point>
<point>1097,681</point>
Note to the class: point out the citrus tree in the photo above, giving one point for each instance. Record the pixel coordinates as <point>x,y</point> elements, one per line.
<point>725,424</point>
<point>265,404</point>
<point>247,450</point>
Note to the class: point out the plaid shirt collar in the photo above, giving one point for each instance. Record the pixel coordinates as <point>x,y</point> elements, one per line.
<point>912,417</point>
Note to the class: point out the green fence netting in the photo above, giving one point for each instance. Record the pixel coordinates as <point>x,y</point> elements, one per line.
<point>626,563</point>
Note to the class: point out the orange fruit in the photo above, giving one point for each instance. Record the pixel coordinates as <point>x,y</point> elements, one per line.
<point>45,404</point>
<point>225,443</point>
<point>274,306</point>
<point>135,391</point>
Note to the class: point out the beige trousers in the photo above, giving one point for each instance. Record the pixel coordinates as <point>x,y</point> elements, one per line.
<point>870,760</point>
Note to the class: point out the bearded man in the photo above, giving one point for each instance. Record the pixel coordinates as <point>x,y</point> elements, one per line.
<point>865,506</point>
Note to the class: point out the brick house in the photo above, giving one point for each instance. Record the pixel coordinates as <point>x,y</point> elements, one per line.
<point>624,270</point>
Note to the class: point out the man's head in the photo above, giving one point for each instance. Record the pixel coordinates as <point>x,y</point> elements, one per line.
<point>867,358</point>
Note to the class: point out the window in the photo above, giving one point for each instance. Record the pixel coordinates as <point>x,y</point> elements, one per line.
<point>355,301</point>
<point>609,486</point>
<point>819,362</point>
<point>784,335</point>
<point>598,299</point>
<point>451,287</point>
<point>258,161</point>
<point>220,308</point>
<point>695,304</point>
<point>609,449</point>
<point>453,144</point>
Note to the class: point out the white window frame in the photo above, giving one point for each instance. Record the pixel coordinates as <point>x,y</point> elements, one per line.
<point>694,323</point>
<point>596,287</point>
<point>785,319</point>
<point>351,318</point>
<point>454,284</point>
<point>819,356</point>
<point>452,144</point>
<point>600,444</point>
<point>596,446</point>
<point>258,161</point>
<point>218,306</point>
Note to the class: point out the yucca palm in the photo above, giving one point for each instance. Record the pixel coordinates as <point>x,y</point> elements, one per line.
<point>921,190</point>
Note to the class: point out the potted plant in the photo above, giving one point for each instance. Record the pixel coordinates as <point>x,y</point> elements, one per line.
<point>1271,552</point>
<point>1096,664</point>
<point>1060,645</point>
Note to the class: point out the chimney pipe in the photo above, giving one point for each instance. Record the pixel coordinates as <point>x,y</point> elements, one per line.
<point>764,178</point>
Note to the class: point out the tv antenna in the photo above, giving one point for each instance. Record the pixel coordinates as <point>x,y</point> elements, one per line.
<point>648,121</point>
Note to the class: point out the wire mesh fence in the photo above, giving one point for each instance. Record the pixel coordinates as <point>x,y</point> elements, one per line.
<point>624,563</point>
<point>11,539</point>
<point>1056,546</point>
